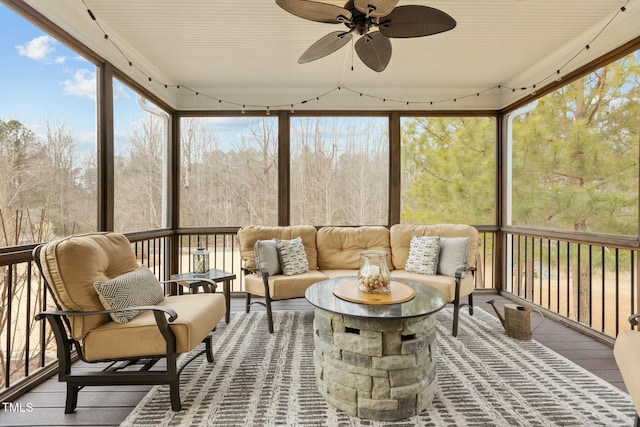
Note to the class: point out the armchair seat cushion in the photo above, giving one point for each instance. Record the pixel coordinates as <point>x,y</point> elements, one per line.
<point>283,287</point>
<point>198,315</point>
<point>446,284</point>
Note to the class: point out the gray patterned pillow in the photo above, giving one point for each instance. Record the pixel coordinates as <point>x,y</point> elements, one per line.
<point>293,258</point>
<point>267,256</point>
<point>453,255</point>
<point>423,255</point>
<point>138,287</point>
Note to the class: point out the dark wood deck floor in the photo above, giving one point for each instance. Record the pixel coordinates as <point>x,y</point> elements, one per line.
<point>109,406</point>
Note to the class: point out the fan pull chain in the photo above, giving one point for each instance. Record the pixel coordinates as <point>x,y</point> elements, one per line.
<point>352,54</point>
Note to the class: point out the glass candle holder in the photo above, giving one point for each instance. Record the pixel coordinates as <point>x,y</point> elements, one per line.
<point>373,275</point>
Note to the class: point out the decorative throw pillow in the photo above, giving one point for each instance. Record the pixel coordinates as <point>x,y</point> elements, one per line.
<point>423,255</point>
<point>138,287</point>
<point>453,255</point>
<point>267,256</point>
<point>293,258</point>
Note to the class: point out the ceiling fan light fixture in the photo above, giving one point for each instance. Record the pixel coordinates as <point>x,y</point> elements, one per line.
<point>361,17</point>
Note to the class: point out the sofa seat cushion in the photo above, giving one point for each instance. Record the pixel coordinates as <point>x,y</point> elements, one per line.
<point>332,274</point>
<point>340,247</point>
<point>283,287</point>
<point>626,351</point>
<point>248,235</point>
<point>446,284</point>
<point>198,315</point>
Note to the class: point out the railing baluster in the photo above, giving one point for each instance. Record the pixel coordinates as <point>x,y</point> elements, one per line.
<point>43,325</point>
<point>617,291</point>
<point>27,346</point>
<point>549,273</point>
<point>632,267</point>
<point>604,295</point>
<point>568,280</point>
<point>9,314</point>
<point>558,275</point>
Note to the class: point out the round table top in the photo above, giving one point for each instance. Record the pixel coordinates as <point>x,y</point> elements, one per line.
<point>427,300</point>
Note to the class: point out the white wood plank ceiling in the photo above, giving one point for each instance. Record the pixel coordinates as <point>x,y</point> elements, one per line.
<point>246,51</point>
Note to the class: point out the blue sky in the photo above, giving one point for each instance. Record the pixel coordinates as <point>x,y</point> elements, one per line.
<point>43,80</point>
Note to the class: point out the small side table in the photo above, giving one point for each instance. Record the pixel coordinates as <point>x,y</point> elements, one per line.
<point>215,275</point>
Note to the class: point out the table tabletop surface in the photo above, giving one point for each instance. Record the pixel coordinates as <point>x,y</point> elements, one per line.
<point>427,300</point>
<point>213,274</point>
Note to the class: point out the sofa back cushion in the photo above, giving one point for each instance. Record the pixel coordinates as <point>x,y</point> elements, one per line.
<point>72,265</point>
<point>248,235</point>
<point>401,234</point>
<point>340,247</point>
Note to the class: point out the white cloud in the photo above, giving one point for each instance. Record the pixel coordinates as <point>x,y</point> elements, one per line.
<point>83,84</point>
<point>38,48</point>
<point>120,93</point>
<point>60,60</point>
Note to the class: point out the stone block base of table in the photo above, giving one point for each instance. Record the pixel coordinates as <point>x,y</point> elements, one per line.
<point>380,369</point>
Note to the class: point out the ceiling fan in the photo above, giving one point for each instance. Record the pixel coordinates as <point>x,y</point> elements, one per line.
<point>363,17</point>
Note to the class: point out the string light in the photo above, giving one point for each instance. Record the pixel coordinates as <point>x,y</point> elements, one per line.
<point>556,75</point>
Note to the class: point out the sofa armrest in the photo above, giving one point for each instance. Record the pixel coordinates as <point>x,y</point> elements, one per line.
<point>633,320</point>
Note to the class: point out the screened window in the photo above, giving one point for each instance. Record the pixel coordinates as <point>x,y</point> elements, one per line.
<point>574,163</point>
<point>47,136</point>
<point>448,170</point>
<point>339,170</point>
<point>228,171</point>
<point>140,161</point>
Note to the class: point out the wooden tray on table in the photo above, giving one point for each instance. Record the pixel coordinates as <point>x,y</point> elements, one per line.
<point>349,291</point>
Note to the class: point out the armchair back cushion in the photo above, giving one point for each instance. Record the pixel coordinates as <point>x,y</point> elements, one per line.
<point>72,265</point>
<point>339,248</point>
<point>248,236</point>
<point>401,234</point>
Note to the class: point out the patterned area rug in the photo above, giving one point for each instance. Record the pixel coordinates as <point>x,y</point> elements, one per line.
<point>484,378</point>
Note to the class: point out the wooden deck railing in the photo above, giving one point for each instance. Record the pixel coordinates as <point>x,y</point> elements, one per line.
<point>577,277</point>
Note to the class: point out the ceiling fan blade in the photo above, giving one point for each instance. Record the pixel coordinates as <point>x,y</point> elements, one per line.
<point>415,21</point>
<point>374,50</point>
<point>326,45</point>
<point>316,11</point>
<point>375,8</point>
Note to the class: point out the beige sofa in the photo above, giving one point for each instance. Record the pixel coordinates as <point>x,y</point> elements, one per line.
<point>335,251</point>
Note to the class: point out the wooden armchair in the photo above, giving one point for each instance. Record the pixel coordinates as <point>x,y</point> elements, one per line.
<point>112,309</point>
<point>626,351</point>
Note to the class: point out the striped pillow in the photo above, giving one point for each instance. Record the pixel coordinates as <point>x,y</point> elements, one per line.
<point>423,255</point>
<point>138,287</point>
<point>293,258</point>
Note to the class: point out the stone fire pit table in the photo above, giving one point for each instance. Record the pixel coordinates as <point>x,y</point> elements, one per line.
<point>376,361</point>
